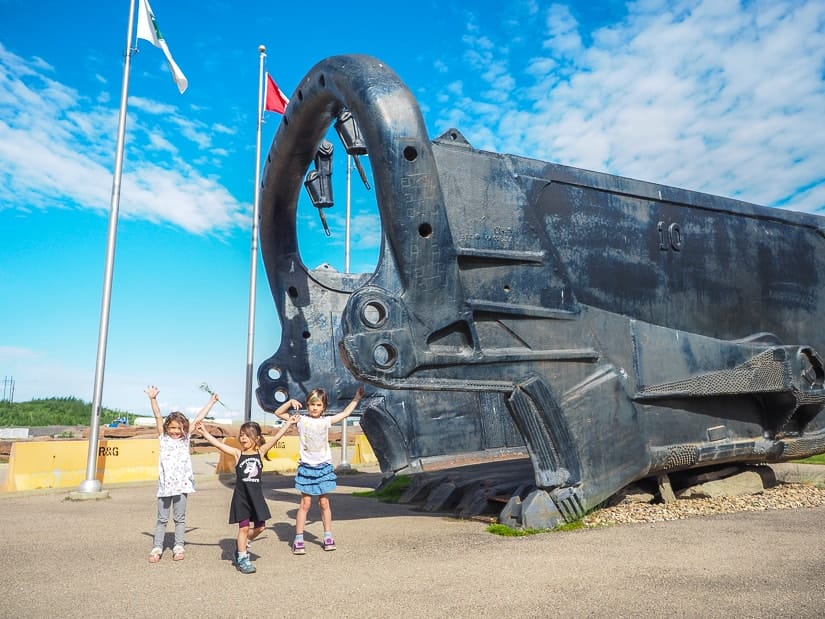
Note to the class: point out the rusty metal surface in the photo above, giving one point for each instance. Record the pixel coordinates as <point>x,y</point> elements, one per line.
<point>610,328</point>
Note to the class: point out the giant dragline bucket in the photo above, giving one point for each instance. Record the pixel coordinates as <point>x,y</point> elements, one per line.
<point>609,328</point>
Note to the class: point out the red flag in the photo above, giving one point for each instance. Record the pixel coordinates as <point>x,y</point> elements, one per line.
<point>276,100</point>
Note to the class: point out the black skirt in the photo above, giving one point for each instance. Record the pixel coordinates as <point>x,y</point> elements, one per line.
<point>248,500</point>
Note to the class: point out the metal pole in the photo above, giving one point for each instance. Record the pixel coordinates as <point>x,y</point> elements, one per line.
<point>91,485</point>
<point>344,461</point>
<point>346,226</point>
<point>253,269</point>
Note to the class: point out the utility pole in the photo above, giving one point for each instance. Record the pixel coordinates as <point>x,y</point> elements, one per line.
<point>8,389</point>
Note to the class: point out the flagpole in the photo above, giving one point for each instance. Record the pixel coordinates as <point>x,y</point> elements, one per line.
<point>91,486</point>
<point>344,465</point>
<point>346,226</point>
<point>253,268</point>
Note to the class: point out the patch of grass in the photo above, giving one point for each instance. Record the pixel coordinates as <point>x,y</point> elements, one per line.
<point>817,459</point>
<point>391,492</point>
<point>505,531</point>
<point>570,526</point>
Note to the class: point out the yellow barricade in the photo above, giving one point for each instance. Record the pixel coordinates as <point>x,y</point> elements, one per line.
<point>283,457</point>
<point>363,451</point>
<point>62,464</point>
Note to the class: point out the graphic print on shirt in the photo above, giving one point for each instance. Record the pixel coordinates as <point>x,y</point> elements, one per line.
<point>175,474</point>
<point>313,434</point>
<point>250,469</point>
<point>315,437</point>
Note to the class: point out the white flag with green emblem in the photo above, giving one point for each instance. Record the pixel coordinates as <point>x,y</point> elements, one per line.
<point>148,30</point>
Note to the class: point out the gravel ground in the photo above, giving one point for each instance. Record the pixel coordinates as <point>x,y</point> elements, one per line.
<point>782,496</point>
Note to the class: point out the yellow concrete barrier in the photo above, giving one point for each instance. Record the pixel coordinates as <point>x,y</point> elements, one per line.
<point>363,451</point>
<point>283,457</point>
<point>62,464</point>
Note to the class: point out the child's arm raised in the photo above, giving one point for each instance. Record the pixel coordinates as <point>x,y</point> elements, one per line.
<point>227,449</point>
<point>153,392</point>
<point>205,410</point>
<point>350,407</point>
<point>279,434</point>
<point>282,412</point>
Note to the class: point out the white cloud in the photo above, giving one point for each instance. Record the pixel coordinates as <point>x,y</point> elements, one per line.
<point>562,29</point>
<point>219,128</point>
<point>718,96</point>
<point>14,353</point>
<point>183,198</point>
<point>57,149</point>
<point>151,107</point>
<point>158,142</point>
<point>366,231</point>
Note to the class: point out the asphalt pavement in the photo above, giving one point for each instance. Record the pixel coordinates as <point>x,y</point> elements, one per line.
<point>64,558</point>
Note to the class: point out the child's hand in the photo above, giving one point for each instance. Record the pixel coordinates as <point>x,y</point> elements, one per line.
<point>360,392</point>
<point>152,392</point>
<point>294,404</point>
<point>293,419</point>
<point>215,398</point>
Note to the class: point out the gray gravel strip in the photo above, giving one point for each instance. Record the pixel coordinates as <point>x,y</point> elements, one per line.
<point>783,496</point>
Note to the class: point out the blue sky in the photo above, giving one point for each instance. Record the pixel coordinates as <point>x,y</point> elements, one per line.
<point>719,96</point>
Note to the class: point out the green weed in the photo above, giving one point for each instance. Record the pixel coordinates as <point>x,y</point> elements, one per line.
<point>505,531</point>
<point>817,459</point>
<point>391,492</point>
<point>570,526</point>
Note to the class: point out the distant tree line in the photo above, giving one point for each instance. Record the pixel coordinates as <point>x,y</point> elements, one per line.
<point>53,412</point>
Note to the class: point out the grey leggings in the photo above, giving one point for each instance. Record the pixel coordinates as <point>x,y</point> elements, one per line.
<point>178,505</point>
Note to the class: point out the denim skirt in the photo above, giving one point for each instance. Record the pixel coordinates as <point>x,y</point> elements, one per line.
<point>315,480</point>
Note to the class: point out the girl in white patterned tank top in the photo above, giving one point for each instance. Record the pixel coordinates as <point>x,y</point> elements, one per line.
<point>175,477</point>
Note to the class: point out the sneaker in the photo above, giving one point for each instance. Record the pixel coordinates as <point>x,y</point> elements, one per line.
<point>154,556</point>
<point>298,547</point>
<point>244,564</point>
<point>329,544</point>
<point>177,553</point>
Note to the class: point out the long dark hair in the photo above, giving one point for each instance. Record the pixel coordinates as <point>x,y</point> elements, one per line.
<point>252,429</point>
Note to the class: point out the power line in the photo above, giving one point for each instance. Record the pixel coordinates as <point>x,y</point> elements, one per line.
<point>8,389</point>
